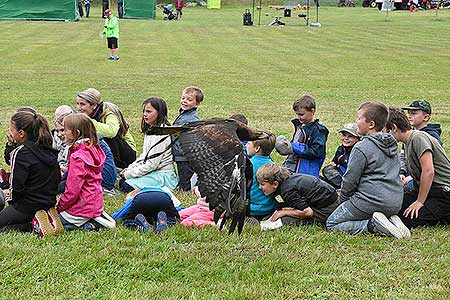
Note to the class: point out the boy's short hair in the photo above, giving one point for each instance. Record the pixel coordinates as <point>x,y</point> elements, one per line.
<point>422,105</point>
<point>272,172</point>
<point>377,112</point>
<point>198,93</point>
<point>399,118</point>
<point>306,101</point>
<point>267,144</point>
<point>239,117</point>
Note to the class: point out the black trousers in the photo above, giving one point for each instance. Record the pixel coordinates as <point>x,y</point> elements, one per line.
<point>435,211</point>
<point>12,219</point>
<point>149,204</point>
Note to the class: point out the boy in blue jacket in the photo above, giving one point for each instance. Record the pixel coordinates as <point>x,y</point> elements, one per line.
<point>190,100</point>
<point>307,149</point>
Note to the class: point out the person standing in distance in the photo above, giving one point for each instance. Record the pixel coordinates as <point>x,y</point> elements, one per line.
<point>111,31</point>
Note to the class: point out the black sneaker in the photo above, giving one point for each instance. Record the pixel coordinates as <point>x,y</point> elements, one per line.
<point>161,224</point>
<point>142,224</point>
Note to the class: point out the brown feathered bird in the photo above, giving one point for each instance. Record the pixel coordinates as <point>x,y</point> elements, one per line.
<point>214,150</point>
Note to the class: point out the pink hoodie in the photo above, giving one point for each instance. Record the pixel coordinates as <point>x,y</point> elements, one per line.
<point>83,196</point>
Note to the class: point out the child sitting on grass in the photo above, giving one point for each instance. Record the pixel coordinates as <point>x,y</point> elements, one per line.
<point>306,199</point>
<point>261,205</point>
<point>419,114</point>
<point>307,149</point>
<point>34,176</point>
<point>429,203</point>
<point>81,204</point>
<point>148,171</point>
<point>334,171</point>
<point>371,188</point>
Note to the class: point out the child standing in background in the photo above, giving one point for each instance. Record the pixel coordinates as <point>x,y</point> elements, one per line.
<point>190,101</point>
<point>81,204</point>
<point>179,7</point>
<point>307,149</point>
<point>111,31</point>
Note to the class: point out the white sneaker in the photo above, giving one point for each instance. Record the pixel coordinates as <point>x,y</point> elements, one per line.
<point>400,226</point>
<point>269,225</point>
<point>383,226</point>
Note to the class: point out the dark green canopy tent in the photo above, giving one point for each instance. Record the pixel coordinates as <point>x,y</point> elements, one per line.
<point>39,9</point>
<point>139,9</point>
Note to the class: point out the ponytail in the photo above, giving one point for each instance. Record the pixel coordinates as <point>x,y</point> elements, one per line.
<point>34,125</point>
<point>44,136</point>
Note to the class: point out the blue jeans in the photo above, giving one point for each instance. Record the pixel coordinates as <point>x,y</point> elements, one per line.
<point>347,218</point>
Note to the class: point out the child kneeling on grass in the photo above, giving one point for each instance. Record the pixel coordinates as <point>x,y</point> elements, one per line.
<point>306,199</point>
<point>81,204</point>
<point>34,176</point>
<point>371,188</point>
<point>149,209</point>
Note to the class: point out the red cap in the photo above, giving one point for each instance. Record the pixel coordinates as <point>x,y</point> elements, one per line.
<point>108,12</point>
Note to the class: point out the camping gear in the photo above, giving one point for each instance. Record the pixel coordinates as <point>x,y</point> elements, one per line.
<point>247,18</point>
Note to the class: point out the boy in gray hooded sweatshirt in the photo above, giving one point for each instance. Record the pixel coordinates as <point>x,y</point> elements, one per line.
<point>371,189</point>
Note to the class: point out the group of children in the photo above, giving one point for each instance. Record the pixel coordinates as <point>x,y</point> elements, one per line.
<point>366,188</point>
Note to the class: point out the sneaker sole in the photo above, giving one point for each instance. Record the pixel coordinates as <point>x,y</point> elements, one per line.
<point>44,223</point>
<point>385,226</point>
<point>406,233</point>
<point>55,220</point>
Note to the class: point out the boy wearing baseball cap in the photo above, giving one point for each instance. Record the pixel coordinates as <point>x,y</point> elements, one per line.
<point>334,171</point>
<point>111,31</point>
<point>419,114</point>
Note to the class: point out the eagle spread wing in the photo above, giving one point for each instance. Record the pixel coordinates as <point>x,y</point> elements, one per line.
<point>213,148</point>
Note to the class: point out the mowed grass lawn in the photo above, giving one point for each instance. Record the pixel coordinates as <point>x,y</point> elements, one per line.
<point>357,54</point>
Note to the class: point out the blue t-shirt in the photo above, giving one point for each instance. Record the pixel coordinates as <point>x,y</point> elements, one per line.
<point>260,204</point>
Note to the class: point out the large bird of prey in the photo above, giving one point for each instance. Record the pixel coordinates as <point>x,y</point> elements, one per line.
<point>214,150</point>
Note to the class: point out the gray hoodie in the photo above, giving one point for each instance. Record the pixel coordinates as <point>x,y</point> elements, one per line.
<point>372,182</point>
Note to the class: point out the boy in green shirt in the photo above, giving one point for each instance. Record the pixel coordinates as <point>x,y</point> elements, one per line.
<point>429,203</point>
<point>111,32</point>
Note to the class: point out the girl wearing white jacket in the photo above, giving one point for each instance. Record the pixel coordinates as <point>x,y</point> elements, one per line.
<point>156,171</point>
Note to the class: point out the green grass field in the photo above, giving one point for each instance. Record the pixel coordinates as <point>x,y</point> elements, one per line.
<point>357,54</point>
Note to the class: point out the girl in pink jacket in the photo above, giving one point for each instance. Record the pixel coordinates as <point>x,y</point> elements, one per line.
<point>81,204</point>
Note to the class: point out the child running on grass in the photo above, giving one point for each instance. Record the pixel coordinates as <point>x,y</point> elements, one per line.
<point>34,176</point>
<point>81,204</point>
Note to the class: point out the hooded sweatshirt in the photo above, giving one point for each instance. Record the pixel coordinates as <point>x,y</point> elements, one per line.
<point>34,177</point>
<point>372,182</point>
<point>434,130</point>
<point>83,195</point>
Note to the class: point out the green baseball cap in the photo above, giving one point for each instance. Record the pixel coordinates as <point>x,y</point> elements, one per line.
<point>423,105</point>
